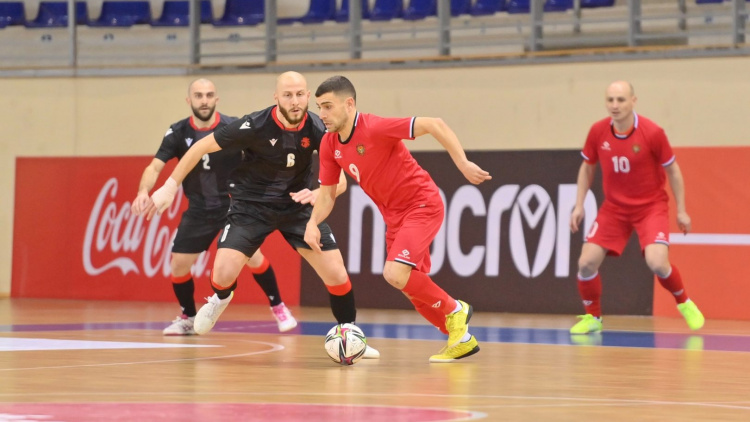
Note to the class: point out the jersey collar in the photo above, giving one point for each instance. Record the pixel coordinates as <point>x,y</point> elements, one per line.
<point>281,125</point>
<point>217,119</point>
<point>354,126</point>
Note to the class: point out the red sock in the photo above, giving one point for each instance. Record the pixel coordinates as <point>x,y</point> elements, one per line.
<point>591,293</point>
<point>421,287</point>
<point>433,315</point>
<point>673,284</point>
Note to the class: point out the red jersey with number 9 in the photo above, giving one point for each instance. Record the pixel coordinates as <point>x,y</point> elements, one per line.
<point>376,157</point>
<point>633,166</point>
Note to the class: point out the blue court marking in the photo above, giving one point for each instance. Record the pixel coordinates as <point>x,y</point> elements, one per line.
<point>635,339</point>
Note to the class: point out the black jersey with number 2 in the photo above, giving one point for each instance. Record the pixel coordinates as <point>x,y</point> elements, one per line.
<point>276,160</point>
<point>206,184</point>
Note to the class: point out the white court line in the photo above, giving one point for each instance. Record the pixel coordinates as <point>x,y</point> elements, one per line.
<point>274,348</point>
<point>709,239</point>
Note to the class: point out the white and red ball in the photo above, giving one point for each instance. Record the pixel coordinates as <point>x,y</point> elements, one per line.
<point>346,344</point>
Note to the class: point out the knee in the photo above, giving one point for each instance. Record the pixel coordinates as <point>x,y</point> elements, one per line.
<point>395,278</point>
<point>587,267</point>
<point>660,267</point>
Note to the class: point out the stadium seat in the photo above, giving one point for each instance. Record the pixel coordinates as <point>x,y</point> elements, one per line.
<point>709,1</point>
<point>597,3</point>
<point>557,5</point>
<point>420,9</point>
<point>487,7</point>
<point>123,13</point>
<point>12,13</point>
<point>242,12</point>
<point>385,10</point>
<point>519,6</point>
<point>177,13</point>
<point>460,7</point>
<point>319,12</point>
<point>54,14</point>
<point>342,15</point>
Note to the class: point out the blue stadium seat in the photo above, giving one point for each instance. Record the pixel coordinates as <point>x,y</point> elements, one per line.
<point>385,10</point>
<point>557,5</point>
<point>460,7</point>
<point>319,11</point>
<point>519,6</point>
<point>54,14</point>
<point>420,9</point>
<point>177,13</point>
<point>709,1</point>
<point>487,7</point>
<point>597,3</point>
<point>123,13</point>
<point>12,13</point>
<point>242,12</point>
<point>343,13</point>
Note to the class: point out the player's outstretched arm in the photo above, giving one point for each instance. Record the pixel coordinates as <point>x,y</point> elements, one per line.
<point>163,197</point>
<point>322,209</point>
<point>148,180</point>
<point>585,178</point>
<point>448,139</point>
<point>677,183</point>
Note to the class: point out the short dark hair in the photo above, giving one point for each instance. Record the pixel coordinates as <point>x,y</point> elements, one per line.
<point>338,85</point>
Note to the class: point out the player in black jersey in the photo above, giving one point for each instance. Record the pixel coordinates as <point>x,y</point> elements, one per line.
<point>270,190</point>
<point>206,189</point>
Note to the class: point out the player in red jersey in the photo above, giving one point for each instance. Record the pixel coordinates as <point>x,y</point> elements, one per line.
<point>370,149</point>
<point>635,158</point>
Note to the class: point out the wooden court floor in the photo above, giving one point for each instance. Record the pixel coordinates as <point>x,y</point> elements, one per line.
<point>108,361</point>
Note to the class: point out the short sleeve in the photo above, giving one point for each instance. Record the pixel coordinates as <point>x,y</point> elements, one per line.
<point>168,148</point>
<point>330,171</point>
<point>237,134</point>
<point>590,151</point>
<point>662,149</point>
<point>392,127</point>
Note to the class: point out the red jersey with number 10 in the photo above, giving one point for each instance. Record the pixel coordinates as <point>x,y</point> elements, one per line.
<point>376,157</point>
<point>633,166</point>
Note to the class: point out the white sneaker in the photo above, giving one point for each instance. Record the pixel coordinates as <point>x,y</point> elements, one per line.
<point>181,326</point>
<point>209,313</point>
<point>371,353</point>
<point>284,317</point>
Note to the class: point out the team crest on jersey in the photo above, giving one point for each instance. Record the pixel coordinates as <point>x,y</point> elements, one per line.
<point>361,149</point>
<point>189,141</point>
<point>305,142</point>
<point>636,148</point>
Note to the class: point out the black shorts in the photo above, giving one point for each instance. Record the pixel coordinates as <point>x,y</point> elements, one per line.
<point>197,230</point>
<point>249,223</point>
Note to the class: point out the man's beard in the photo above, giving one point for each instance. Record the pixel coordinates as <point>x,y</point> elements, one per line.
<point>197,114</point>
<point>288,118</point>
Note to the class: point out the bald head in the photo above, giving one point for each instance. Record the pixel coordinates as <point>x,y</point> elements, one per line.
<point>621,88</point>
<point>292,98</point>
<point>201,84</point>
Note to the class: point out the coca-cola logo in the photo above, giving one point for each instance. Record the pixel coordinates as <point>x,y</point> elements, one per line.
<point>117,239</point>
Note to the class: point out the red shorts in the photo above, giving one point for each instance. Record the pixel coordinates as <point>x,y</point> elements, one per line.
<point>614,224</point>
<point>409,242</point>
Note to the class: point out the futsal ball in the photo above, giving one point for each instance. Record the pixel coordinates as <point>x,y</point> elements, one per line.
<point>346,344</point>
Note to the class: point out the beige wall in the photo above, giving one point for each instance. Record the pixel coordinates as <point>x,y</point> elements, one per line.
<point>698,102</point>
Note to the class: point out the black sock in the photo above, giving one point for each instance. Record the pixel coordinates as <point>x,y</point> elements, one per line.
<point>184,292</point>
<point>224,293</point>
<point>343,307</point>
<point>267,281</point>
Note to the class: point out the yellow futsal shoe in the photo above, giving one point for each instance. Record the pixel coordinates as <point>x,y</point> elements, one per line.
<point>457,323</point>
<point>692,314</point>
<point>587,324</point>
<point>451,354</point>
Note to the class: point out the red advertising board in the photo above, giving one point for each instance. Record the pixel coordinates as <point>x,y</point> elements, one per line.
<point>713,258</point>
<point>75,238</point>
